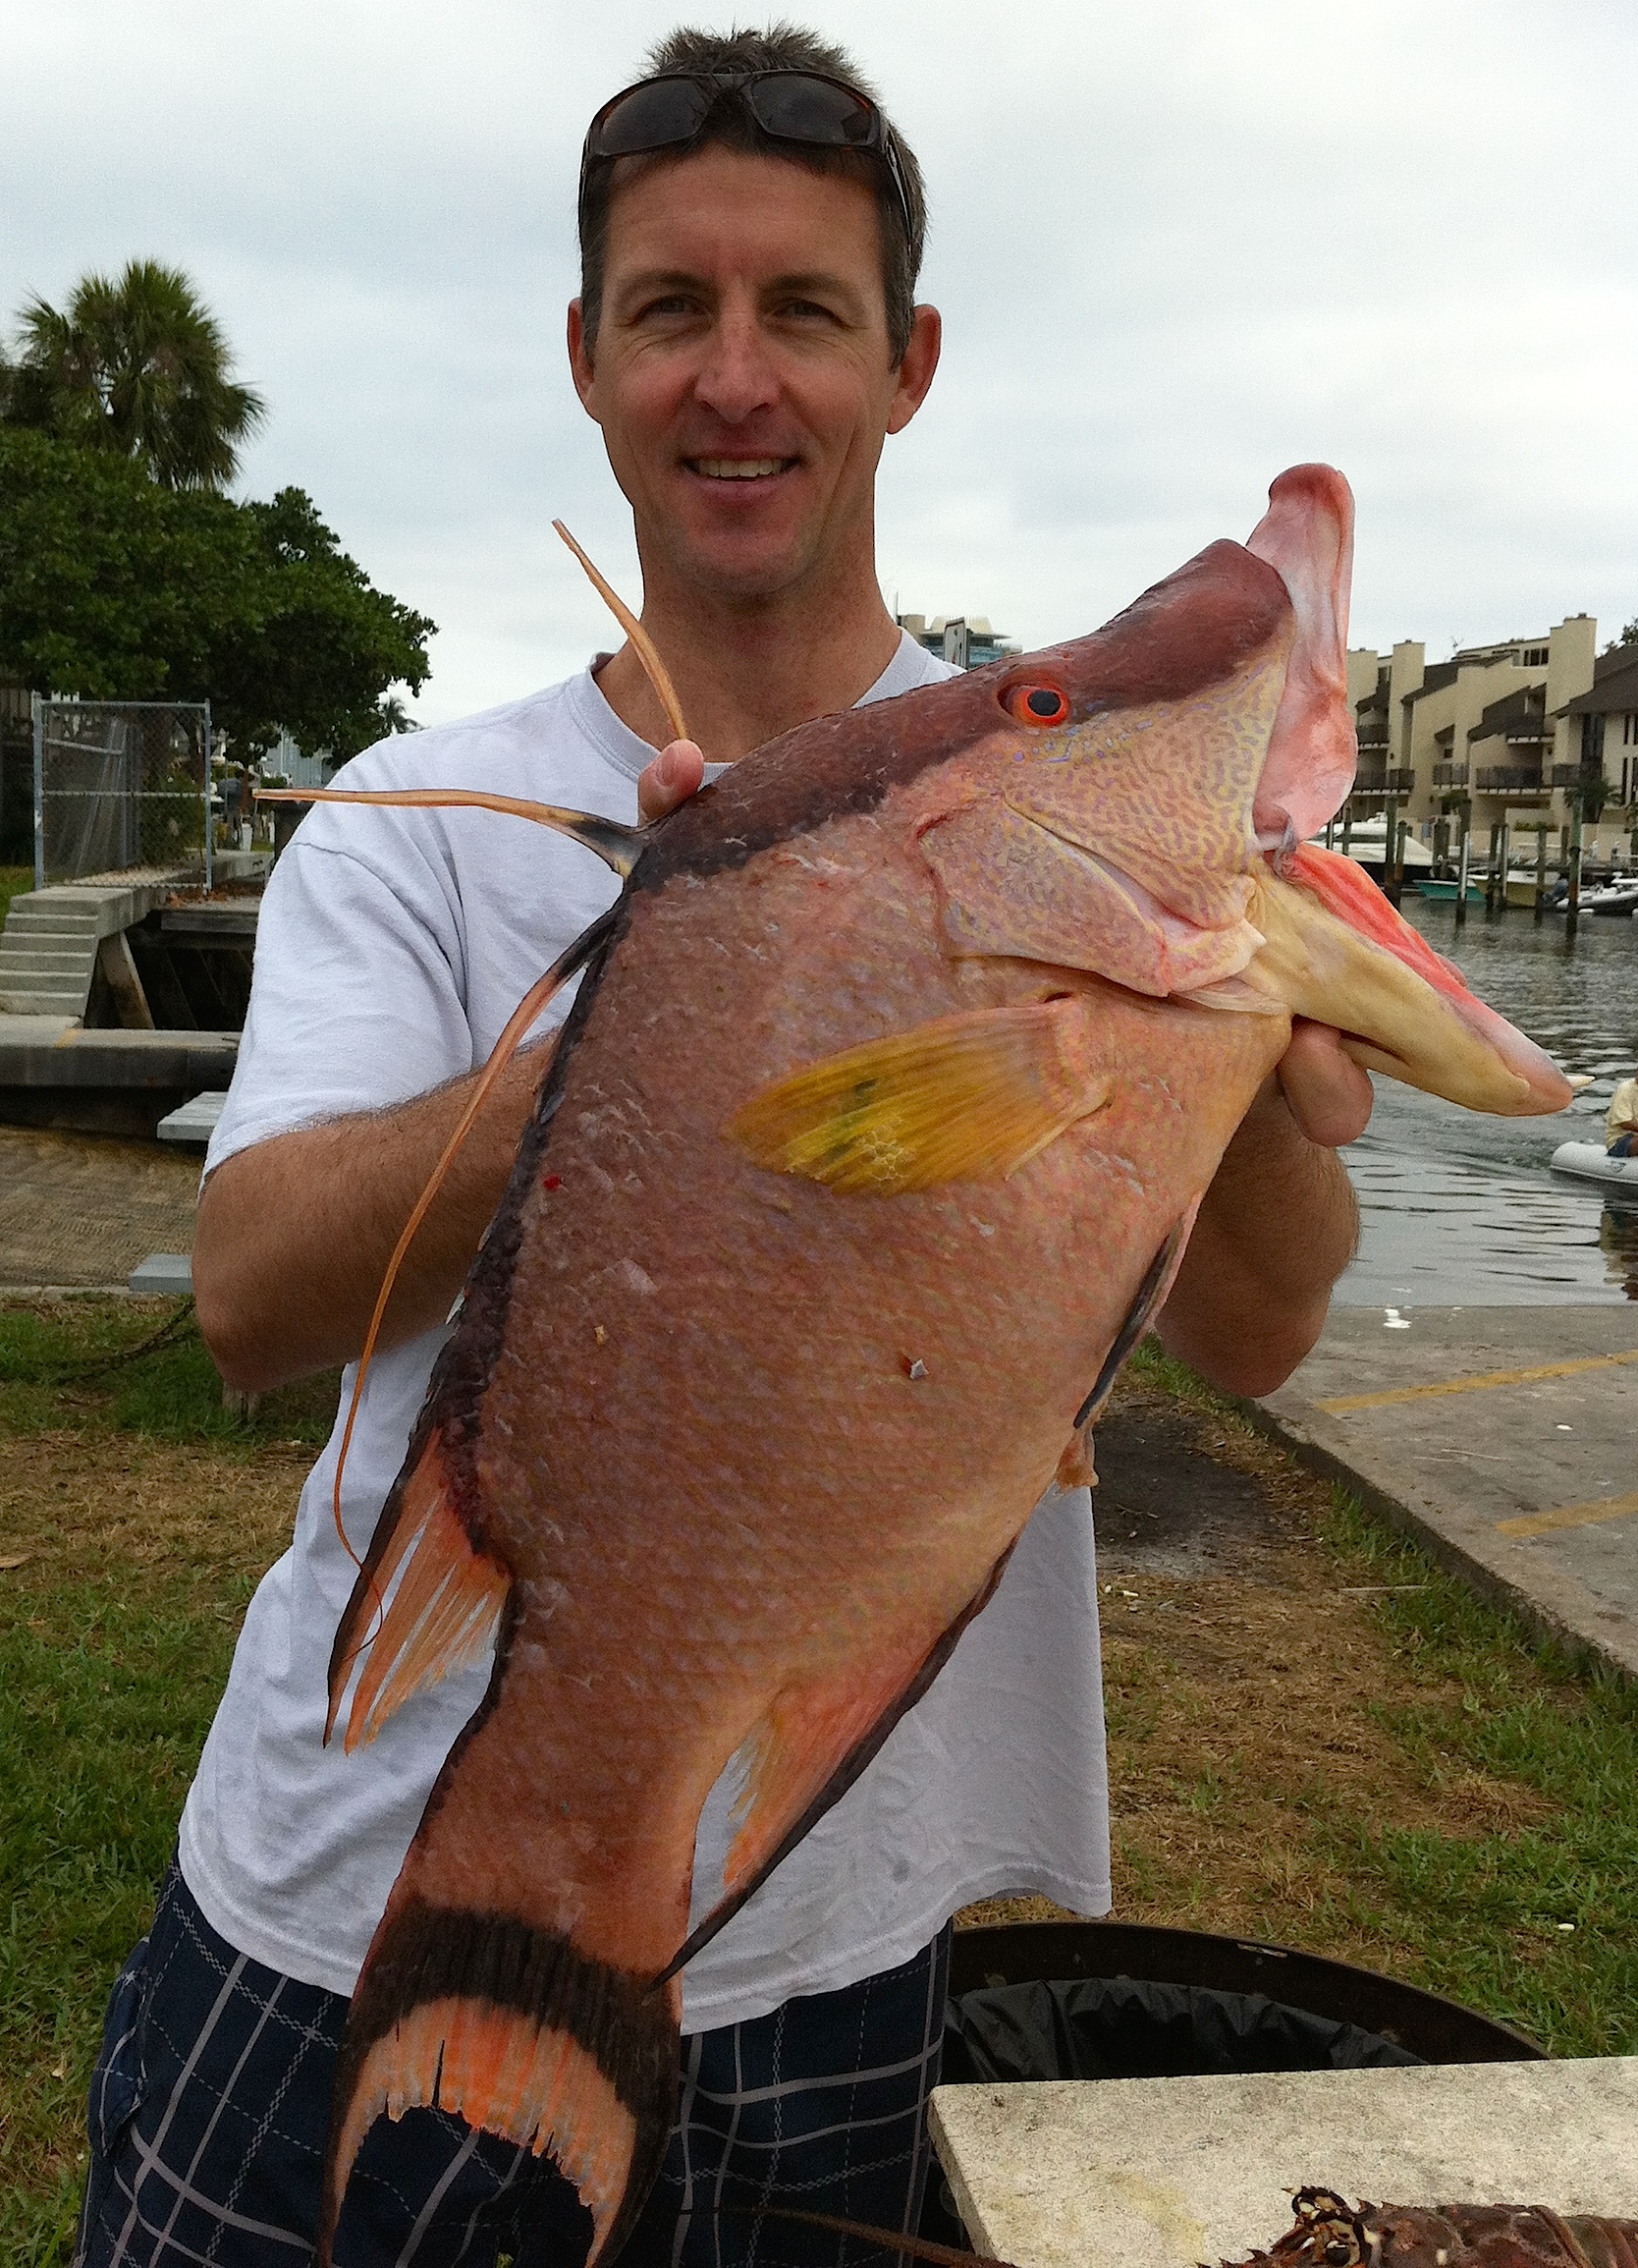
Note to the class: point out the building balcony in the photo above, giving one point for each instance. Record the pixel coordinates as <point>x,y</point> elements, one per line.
<point>1450,775</point>
<point>1572,775</point>
<point>1382,780</point>
<point>1511,780</point>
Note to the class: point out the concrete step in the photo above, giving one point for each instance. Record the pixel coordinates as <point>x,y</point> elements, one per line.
<point>20,922</point>
<point>39,967</point>
<point>53,1004</point>
<point>47,980</point>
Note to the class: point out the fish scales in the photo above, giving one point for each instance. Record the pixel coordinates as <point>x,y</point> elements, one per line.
<point>881,1094</point>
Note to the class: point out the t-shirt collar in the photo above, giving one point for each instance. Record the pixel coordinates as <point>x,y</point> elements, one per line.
<point>911,666</point>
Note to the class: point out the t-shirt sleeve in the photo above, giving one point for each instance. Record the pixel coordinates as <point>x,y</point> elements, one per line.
<point>358,998</point>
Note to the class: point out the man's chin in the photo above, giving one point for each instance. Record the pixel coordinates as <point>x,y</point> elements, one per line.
<point>746,575</point>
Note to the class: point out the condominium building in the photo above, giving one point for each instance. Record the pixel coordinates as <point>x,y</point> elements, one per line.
<point>1502,730</point>
<point>966,640</point>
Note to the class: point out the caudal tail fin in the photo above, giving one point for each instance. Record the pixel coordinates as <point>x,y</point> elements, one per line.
<point>519,2033</point>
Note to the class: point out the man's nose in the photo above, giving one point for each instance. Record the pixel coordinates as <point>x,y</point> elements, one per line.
<point>738,376</point>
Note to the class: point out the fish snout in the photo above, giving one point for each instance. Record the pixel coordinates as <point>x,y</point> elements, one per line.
<point>1335,950</point>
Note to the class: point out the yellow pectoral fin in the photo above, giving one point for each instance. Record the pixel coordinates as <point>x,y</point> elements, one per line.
<point>968,1098</point>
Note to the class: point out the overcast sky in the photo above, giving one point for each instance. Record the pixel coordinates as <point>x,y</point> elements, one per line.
<point>1178,246</point>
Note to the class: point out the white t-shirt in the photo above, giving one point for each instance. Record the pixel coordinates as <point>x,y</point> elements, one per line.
<point>393,947</point>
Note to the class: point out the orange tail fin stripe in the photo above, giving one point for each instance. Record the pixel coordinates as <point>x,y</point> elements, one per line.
<point>515,2031</point>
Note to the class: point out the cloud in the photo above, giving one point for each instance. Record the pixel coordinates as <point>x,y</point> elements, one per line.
<point>1177,245</point>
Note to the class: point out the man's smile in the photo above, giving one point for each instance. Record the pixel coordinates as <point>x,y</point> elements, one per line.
<point>739,468</point>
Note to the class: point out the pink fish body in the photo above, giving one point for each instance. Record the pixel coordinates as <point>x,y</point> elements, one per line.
<point>896,1078</point>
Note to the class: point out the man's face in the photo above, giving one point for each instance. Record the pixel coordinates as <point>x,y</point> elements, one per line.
<point>742,371</point>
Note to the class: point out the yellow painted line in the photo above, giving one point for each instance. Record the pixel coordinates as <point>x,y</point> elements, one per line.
<point>1571,1516</point>
<point>1339,1404</point>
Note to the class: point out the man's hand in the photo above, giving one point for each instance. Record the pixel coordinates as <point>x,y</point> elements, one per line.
<point>1278,1225</point>
<point>294,1235</point>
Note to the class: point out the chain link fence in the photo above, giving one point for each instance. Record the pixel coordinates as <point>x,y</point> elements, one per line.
<point>121,786</point>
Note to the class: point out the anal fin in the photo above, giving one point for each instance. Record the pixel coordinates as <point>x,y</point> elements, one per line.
<point>812,1747</point>
<point>442,1615</point>
<point>969,1097</point>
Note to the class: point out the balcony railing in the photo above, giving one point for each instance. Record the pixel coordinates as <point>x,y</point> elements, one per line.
<point>1382,780</point>
<point>1510,780</point>
<point>1450,775</point>
<point>1571,774</point>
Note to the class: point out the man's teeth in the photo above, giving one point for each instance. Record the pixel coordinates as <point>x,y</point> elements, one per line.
<point>739,467</point>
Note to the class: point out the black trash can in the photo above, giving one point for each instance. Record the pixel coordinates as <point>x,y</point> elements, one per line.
<point>1107,2000</point>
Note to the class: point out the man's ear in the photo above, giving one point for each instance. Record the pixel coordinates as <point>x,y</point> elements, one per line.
<point>915,371</point>
<point>580,365</point>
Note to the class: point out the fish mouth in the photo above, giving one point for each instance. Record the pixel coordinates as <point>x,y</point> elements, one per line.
<point>1332,955</point>
<point>752,470</point>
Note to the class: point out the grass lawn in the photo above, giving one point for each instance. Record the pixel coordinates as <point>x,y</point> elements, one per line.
<point>14,880</point>
<point>1329,1744</point>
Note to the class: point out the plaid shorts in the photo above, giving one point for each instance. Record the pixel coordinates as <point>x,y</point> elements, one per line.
<point>211,2098</point>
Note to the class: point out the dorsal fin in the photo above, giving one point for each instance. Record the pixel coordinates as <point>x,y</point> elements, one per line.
<point>617,845</point>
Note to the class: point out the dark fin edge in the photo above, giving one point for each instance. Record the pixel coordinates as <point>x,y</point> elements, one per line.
<point>1156,1282</point>
<point>501,1971</point>
<point>845,1773</point>
<point>464,1368</point>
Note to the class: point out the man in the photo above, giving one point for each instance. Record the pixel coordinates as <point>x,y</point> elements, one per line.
<point>1620,1127</point>
<point>747,337</point>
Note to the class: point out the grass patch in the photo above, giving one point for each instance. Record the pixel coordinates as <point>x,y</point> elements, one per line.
<point>137,1515</point>
<point>138,1367</point>
<point>14,881</point>
<point>1405,1777</point>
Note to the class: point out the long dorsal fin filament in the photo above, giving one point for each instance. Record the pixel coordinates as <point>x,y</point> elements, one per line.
<point>654,669</point>
<point>617,845</point>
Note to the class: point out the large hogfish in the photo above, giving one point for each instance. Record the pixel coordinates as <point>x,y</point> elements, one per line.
<point>872,1139</point>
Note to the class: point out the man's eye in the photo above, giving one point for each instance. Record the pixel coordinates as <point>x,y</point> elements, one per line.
<point>673,305</point>
<point>808,312</point>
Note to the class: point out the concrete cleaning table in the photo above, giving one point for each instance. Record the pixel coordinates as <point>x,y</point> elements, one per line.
<point>1169,2172</point>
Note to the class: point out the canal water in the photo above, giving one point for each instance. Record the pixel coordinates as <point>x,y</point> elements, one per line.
<point>1461,1210</point>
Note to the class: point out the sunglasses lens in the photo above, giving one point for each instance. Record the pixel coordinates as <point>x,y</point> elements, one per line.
<point>797,108</point>
<point>650,116</point>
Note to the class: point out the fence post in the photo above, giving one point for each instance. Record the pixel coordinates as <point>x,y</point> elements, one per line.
<point>36,717</point>
<point>207,795</point>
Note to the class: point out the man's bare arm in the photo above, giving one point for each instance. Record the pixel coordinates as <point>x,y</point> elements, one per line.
<point>1278,1225</point>
<point>294,1234</point>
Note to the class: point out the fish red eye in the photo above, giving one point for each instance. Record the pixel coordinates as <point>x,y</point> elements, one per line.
<point>1036,705</point>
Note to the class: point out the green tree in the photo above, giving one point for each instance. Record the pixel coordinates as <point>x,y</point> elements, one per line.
<point>117,588</point>
<point>136,365</point>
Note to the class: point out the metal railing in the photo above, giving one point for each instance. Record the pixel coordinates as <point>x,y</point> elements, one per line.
<point>1510,780</point>
<point>120,785</point>
<point>1382,780</point>
<point>1450,775</point>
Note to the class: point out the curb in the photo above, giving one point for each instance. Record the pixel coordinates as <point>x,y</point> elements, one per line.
<point>1550,1603</point>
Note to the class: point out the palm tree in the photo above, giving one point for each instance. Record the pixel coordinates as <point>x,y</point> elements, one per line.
<point>139,367</point>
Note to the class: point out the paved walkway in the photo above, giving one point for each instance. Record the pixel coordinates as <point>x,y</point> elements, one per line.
<point>1507,1438</point>
<point>81,1211</point>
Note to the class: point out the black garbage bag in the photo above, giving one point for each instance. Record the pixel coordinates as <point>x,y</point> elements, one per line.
<point>1127,2029</point>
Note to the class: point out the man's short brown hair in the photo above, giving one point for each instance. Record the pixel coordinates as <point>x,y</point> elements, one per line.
<point>781,47</point>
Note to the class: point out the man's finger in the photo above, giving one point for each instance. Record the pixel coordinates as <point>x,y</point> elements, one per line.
<point>671,779</point>
<point>1326,1092</point>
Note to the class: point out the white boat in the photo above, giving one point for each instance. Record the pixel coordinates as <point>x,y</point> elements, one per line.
<point>1612,898</point>
<point>1368,843</point>
<point>1590,1163</point>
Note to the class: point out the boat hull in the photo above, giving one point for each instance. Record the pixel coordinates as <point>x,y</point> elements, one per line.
<point>1589,1162</point>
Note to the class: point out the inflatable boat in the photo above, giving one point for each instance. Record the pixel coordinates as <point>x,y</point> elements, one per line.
<point>1588,1161</point>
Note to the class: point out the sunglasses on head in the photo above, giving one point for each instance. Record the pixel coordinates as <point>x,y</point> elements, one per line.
<point>801,106</point>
